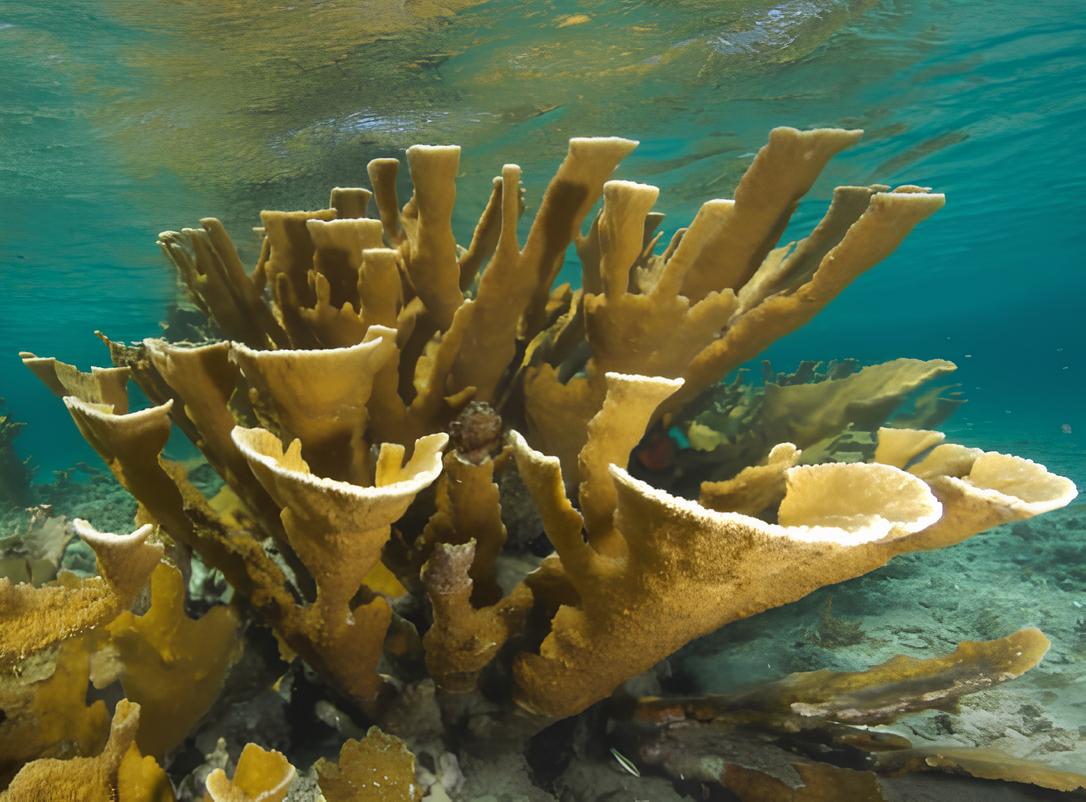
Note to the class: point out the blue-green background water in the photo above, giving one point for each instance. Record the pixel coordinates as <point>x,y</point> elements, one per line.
<point>118,120</point>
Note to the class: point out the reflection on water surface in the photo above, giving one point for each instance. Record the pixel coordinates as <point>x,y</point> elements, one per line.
<point>126,118</point>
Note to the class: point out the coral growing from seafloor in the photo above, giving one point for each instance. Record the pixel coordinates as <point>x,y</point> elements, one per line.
<point>830,411</point>
<point>14,473</point>
<point>351,527</point>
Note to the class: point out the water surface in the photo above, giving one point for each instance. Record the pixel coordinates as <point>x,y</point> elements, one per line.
<point>122,119</point>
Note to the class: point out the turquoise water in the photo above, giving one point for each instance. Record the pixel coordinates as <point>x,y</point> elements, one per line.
<point>119,121</point>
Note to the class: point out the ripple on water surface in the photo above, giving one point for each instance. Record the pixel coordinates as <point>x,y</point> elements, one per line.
<point>128,118</point>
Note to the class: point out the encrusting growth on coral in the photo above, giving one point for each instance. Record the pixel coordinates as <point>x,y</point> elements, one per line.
<point>378,383</point>
<point>463,639</point>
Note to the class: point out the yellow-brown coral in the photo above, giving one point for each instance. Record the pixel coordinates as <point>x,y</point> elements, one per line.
<point>34,618</point>
<point>378,768</point>
<point>380,331</point>
<point>262,775</point>
<point>89,779</point>
<point>901,684</point>
<point>46,711</point>
<point>338,531</point>
<point>171,665</point>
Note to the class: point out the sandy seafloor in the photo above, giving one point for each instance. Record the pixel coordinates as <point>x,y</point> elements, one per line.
<point>1029,573</point>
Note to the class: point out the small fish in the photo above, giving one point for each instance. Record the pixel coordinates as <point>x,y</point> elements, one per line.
<point>625,762</point>
<point>1066,428</point>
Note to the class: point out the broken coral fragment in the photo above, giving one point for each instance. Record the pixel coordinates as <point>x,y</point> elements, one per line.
<point>757,743</point>
<point>984,764</point>
<point>757,757</point>
<point>818,782</point>
<point>767,757</point>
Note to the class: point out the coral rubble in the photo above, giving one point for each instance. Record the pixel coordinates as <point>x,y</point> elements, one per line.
<point>355,411</point>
